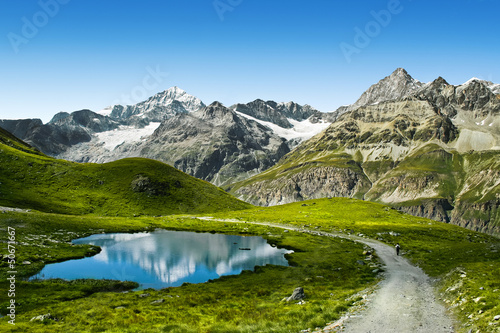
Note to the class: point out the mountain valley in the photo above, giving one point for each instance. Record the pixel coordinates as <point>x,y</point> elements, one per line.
<point>429,149</point>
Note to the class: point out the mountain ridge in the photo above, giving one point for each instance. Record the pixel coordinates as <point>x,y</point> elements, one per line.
<point>421,153</point>
<point>129,131</point>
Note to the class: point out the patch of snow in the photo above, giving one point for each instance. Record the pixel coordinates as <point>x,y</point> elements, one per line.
<point>106,111</point>
<point>472,80</point>
<point>303,130</point>
<point>494,87</point>
<point>129,134</point>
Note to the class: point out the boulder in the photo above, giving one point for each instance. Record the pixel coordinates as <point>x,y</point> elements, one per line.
<point>297,295</point>
<point>44,317</point>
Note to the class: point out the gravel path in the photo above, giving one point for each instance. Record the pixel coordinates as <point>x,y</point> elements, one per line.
<point>404,301</point>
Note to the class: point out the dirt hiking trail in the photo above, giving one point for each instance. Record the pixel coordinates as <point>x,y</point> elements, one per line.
<point>403,302</point>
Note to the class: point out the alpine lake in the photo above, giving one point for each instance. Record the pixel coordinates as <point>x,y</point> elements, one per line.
<point>163,258</point>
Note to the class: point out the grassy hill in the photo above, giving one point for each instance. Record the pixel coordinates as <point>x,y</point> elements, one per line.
<point>31,180</point>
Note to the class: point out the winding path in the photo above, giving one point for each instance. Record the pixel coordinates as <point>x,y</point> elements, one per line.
<point>404,301</point>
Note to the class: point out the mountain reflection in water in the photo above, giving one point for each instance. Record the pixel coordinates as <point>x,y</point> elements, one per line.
<point>167,258</point>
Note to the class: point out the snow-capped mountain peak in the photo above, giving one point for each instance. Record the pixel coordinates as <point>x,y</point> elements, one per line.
<point>158,107</point>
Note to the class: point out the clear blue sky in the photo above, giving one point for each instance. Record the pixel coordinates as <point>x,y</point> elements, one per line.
<point>91,54</point>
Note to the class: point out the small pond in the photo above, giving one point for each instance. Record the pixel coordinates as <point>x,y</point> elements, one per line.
<point>165,258</point>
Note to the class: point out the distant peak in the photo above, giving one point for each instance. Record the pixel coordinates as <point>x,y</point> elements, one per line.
<point>216,110</point>
<point>400,71</point>
<point>475,79</point>
<point>175,90</point>
<point>216,104</point>
<point>440,81</point>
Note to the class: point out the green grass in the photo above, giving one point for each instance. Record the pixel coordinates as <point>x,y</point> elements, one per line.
<point>10,140</point>
<point>438,248</point>
<point>251,302</point>
<point>123,188</point>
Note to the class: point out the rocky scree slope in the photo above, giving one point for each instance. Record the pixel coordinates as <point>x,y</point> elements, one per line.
<point>433,153</point>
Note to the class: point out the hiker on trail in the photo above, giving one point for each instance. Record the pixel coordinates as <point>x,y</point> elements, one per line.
<point>397,249</point>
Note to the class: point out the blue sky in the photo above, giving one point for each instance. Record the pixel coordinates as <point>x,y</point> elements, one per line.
<point>66,55</point>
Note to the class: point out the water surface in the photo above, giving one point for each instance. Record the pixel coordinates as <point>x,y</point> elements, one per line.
<point>164,258</point>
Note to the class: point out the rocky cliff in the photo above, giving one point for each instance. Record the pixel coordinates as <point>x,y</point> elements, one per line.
<point>433,151</point>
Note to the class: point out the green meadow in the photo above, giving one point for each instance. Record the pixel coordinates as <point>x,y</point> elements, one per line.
<point>464,264</point>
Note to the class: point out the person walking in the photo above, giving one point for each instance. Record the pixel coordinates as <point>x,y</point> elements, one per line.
<point>397,249</point>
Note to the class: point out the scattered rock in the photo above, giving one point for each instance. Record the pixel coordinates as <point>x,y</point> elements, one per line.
<point>297,295</point>
<point>145,295</point>
<point>158,301</point>
<point>44,317</point>
<point>360,262</point>
<point>496,317</point>
<point>26,262</point>
<point>119,307</point>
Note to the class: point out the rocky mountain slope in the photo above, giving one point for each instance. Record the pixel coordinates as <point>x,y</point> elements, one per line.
<point>157,108</point>
<point>213,143</point>
<point>393,87</point>
<point>32,180</point>
<point>433,152</point>
<point>247,139</point>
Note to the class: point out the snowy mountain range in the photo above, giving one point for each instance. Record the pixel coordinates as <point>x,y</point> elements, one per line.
<point>259,132</point>
<point>251,138</point>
